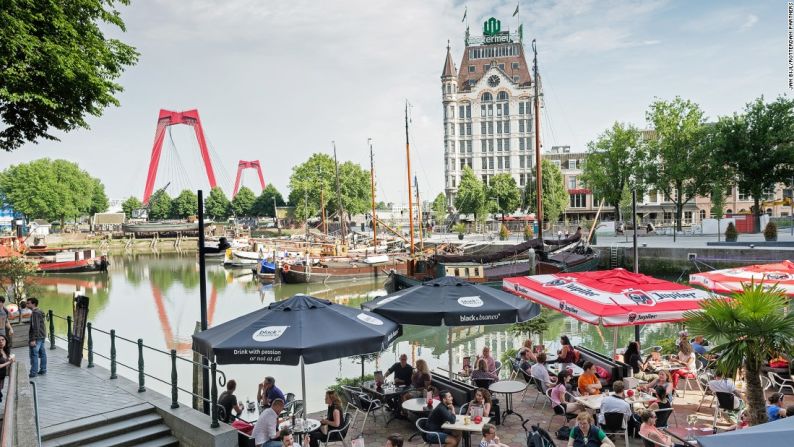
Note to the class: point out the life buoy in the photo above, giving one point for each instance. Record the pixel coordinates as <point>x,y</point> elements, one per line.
<point>285,268</point>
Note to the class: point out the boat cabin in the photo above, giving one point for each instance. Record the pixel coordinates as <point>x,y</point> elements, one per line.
<point>470,271</point>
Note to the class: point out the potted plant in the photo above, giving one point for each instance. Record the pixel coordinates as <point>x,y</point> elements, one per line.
<point>504,233</point>
<point>731,235</point>
<point>460,229</point>
<point>529,233</point>
<point>770,232</point>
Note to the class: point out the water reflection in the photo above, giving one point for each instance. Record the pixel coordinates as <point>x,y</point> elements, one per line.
<point>155,297</point>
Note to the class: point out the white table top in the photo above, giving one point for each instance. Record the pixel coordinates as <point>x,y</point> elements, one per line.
<point>460,426</point>
<point>301,425</point>
<point>593,402</point>
<point>418,404</point>
<point>554,368</point>
<point>507,386</point>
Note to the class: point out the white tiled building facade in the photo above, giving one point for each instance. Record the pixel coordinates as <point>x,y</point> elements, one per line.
<point>488,110</point>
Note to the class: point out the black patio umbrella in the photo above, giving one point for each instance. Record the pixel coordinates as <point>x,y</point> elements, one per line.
<point>453,302</point>
<point>298,330</point>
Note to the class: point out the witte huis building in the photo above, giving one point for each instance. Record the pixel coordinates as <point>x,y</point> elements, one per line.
<point>488,109</point>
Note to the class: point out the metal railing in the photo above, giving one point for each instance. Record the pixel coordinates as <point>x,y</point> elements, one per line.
<point>7,439</point>
<point>36,412</point>
<point>218,377</point>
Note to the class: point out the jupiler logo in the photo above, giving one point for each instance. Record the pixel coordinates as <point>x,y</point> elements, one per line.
<point>269,333</point>
<point>556,282</point>
<point>639,297</point>
<point>777,276</point>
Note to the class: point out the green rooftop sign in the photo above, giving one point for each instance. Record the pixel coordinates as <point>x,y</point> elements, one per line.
<point>491,27</point>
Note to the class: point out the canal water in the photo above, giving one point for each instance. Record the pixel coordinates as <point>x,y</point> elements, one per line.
<point>156,298</point>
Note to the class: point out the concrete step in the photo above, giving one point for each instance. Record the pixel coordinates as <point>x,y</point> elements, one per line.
<point>66,428</point>
<point>109,430</point>
<point>156,435</point>
<point>163,441</point>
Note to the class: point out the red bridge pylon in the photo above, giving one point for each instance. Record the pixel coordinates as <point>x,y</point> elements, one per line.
<point>247,165</point>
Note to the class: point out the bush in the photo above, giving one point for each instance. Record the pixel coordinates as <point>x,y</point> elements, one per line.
<point>507,357</point>
<point>770,232</point>
<point>731,235</point>
<point>504,233</point>
<point>529,233</point>
<point>459,228</point>
<point>349,381</point>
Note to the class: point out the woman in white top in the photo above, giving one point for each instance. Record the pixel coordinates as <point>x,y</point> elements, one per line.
<point>686,357</point>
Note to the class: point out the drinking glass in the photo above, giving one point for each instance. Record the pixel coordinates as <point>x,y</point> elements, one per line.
<point>692,419</point>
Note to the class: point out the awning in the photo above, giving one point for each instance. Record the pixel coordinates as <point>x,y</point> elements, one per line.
<point>779,274</point>
<point>609,297</point>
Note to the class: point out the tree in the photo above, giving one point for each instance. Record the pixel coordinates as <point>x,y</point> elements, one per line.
<point>317,175</point>
<point>99,200</point>
<point>471,194</point>
<point>718,204</point>
<point>130,205</point>
<point>263,205</point>
<point>625,207</point>
<point>19,273</point>
<point>160,206</point>
<point>554,195</point>
<point>57,66</point>
<point>440,208</point>
<point>243,202</point>
<point>504,190</point>
<point>217,205</point>
<point>680,157</point>
<point>758,146</point>
<point>750,328</point>
<point>185,204</point>
<point>611,162</point>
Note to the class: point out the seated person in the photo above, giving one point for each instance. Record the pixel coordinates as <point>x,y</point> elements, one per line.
<point>662,401</point>
<point>589,383</point>
<point>332,420</point>
<point>649,430</point>
<point>721,384</point>
<point>481,403</point>
<point>525,362</point>
<point>559,396</point>
<point>482,372</point>
<point>526,352</point>
<point>489,360</point>
<point>268,392</point>
<point>585,434</point>
<point>489,437</point>
<point>566,354</point>
<point>653,360</point>
<point>394,440</point>
<point>444,412</point>
<point>288,439</point>
<point>688,360</point>
<point>775,410</point>
<point>265,431</point>
<point>615,403</point>
<point>228,401</point>
<point>421,377</point>
<point>633,358</point>
<point>663,380</point>
<point>540,373</point>
<point>402,371</point>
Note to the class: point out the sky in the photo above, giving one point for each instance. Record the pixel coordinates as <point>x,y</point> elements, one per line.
<point>277,81</point>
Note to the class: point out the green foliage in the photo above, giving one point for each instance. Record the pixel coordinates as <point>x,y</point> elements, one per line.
<point>131,204</point>
<point>611,161</point>
<point>554,194</point>
<point>471,194</point>
<point>216,205</point>
<point>459,228</point>
<point>19,274</point>
<point>159,205</point>
<point>505,191</point>
<point>185,204</point>
<point>537,325</point>
<point>263,205</point>
<point>718,200</point>
<point>243,202</point>
<point>730,233</point>
<point>507,356</point>
<point>758,146</point>
<point>680,160</point>
<point>57,66</point>
<point>52,189</point>
<point>440,208</point>
<point>625,204</point>
<point>382,206</point>
<point>669,345</point>
<point>751,327</point>
<point>529,233</point>
<point>317,175</point>
<point>770,232</point>
<point>504,233</point>
<point>349,381</point>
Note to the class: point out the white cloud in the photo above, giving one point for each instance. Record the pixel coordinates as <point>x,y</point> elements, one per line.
<point>751,20</point>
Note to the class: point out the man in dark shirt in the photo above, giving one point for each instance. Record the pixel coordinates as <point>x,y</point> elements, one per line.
<point>37,336</point>
<point>268,392</point>
<point>444,412</point>
<point>402,371</point>
<point>228,401</point>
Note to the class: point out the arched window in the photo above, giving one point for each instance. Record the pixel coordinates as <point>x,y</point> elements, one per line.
<point>502,96</point>
<point>702,214</point>
<point>486,97</point>
<point>730,211</point>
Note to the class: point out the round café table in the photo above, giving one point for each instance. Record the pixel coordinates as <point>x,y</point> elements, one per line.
<point>302,426</point>
<point>508,388</point>
<point>418,406</point>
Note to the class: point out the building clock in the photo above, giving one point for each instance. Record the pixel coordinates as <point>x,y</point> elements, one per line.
<point>493,81</point>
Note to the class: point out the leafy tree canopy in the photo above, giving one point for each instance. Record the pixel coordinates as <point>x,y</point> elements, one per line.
<point>263,205</point>
<point>316,177</point>
<point>554,195</point>
<point>440,208</point>
<point>243,202</point>
<point>57,66</point>
<point>130,205</point>
<point>505,192</point>
<point>99,200</point>
<point>217,205</point>
<point>160,205</point>
<point>185,204</point>
<point>470,198</point>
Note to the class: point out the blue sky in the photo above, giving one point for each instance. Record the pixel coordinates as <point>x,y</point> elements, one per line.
<point>277,81</point>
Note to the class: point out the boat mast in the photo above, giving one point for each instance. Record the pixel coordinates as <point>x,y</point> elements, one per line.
<point>410,199</point>
<point>372,191</point>
<point>322,201</point>
<point>538,170</point>
<point>340,211</point>
<point>421,222</point>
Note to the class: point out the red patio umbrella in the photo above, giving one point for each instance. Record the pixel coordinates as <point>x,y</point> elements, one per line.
<point>609,297</point>
<point>780,274</point>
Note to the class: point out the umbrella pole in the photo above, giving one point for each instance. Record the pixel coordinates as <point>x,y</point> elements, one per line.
<point>362,367</point>
<point>303,388</point>
<point>449,351</point>
<point>614,342</point>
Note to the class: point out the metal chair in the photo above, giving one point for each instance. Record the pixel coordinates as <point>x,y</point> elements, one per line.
<point>430,437</point>
<point>690,376</point>
<point>295,407</point>
<point>498,366</point>
<point>541,391</point>
<point>704,379</point>
<point>615,424</point>
<point>463,409</point>
<point>340,433</point>
<point>289,397</point>
<point>663,417</point>
<point>559,410</point>
<point>483,382</point>
<point>650,442</point>
<point>780,383</point>
<point>725,403</point>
